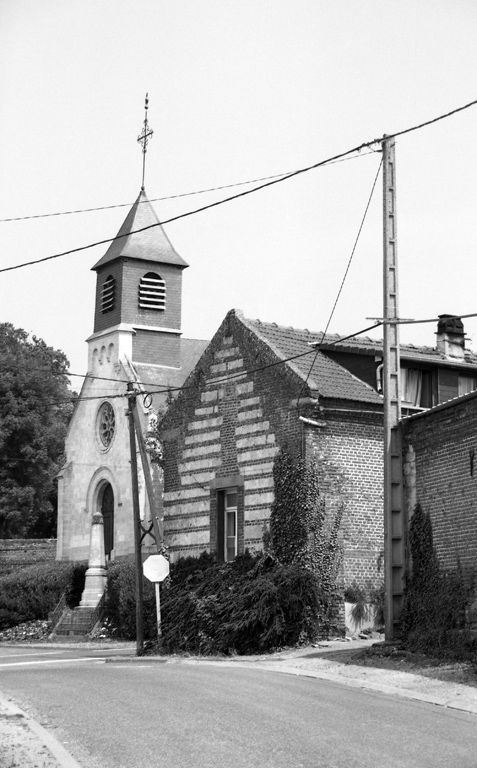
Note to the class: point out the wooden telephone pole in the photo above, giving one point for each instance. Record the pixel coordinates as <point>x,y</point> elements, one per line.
<point>394,523</point>
<point>137,522</point>
<point>156,529</point>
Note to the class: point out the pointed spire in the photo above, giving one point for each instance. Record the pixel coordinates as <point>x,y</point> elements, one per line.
<point>150,244</point>
<point>143,139</point>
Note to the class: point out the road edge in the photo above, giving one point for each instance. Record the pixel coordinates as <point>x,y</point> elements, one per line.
<point>61,755</point>
<point>392,690</point>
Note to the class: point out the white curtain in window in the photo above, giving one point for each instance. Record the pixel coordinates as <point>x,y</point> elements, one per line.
<point>411,386</point>
<point>466,384</point>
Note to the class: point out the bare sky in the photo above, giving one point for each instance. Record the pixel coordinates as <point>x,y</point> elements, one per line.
<point>239,90</point>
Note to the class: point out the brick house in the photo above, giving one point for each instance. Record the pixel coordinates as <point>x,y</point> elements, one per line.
<point>259,386</point>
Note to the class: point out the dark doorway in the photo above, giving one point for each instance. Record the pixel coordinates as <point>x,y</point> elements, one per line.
<point>107,509</point>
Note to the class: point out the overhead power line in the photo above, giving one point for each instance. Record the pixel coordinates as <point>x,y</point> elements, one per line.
<point>164,388</point>
<point>359,148</point>
<point>360,229</point>
<point>316,345</point>
<point>166,197</point>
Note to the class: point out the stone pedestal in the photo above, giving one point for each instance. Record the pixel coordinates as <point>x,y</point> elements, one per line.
<point>95,580</point>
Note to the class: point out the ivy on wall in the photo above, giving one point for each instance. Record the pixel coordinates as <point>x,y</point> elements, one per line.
<point>300,535</point>
<point>298,530</point>
<point>435,602</point>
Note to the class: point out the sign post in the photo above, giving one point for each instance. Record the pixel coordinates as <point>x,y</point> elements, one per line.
<point>156,568</point>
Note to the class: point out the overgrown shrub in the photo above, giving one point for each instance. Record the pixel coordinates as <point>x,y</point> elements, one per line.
<point>360,611</point>
<point>34,591</point>
<point>250,605</point>
<point>377,598</point>
<point>120,604</point>
<point>433,615</point>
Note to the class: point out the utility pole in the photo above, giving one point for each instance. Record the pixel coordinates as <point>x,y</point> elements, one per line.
<point>394,524</point>
<point>137,522</point>
<point>153,505</point>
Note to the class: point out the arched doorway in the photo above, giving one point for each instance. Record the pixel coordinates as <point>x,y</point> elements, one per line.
<point>107,510</point>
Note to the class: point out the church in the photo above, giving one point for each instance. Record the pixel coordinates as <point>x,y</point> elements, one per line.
<point>225,408</point>
<point>136,339</point>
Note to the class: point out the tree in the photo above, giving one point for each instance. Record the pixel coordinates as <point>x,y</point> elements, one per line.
<point>35,407</point>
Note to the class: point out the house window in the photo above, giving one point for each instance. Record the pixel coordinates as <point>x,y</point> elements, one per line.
<point>467,384</point>
<point>411,386</point>
<point>227,538</point>
<point>152,292</point>
<point>107,294</point>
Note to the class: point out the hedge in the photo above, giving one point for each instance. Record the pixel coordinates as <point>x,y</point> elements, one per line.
<point>34,591</point>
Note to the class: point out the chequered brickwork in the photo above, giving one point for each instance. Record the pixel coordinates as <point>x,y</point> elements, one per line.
<point>440,466</point>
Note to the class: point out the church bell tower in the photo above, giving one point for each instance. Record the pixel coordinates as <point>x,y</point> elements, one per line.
<point>139,286</point>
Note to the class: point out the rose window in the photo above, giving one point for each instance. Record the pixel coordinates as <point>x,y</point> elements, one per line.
<point>106,424</point>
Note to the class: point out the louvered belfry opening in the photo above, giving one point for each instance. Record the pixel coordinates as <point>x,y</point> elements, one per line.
<point>107,295</point>
<point>152,292</point>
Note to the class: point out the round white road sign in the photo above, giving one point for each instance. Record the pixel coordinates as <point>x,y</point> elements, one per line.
<point>156,568</point>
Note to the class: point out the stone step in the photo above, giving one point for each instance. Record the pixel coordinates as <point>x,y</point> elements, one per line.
<point>77,622</point>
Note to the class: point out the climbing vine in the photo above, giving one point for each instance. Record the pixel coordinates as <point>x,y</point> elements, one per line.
<point>433,616</point>
<point>298,530</point>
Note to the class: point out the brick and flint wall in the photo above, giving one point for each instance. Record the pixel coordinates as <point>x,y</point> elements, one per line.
<point>440,472</point>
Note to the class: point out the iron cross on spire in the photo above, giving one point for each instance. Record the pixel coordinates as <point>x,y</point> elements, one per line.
<point>144,137</point>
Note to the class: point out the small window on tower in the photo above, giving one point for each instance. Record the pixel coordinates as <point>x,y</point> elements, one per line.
<point>107,295</point>
<point>152,292</point>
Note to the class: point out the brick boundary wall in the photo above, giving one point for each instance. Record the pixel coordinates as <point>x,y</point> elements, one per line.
<point>16,554</point>
<point>440,473</point>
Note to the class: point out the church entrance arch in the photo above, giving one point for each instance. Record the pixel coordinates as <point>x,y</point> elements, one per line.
<point>107,510</point>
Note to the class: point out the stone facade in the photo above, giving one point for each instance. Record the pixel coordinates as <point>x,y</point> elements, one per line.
<point>91,466</point>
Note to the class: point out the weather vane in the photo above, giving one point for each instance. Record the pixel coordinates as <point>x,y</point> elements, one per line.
<point>144,137</point>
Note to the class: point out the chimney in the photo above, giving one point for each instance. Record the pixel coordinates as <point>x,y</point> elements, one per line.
<point>450,336</point>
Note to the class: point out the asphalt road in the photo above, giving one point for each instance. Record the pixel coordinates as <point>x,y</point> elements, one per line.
<point>145,714</point>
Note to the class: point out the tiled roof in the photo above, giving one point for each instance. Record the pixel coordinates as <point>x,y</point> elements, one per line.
<point>326,376</point>
<point>150,245</point>
<point>157,376</point>
<point>366,345</point>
